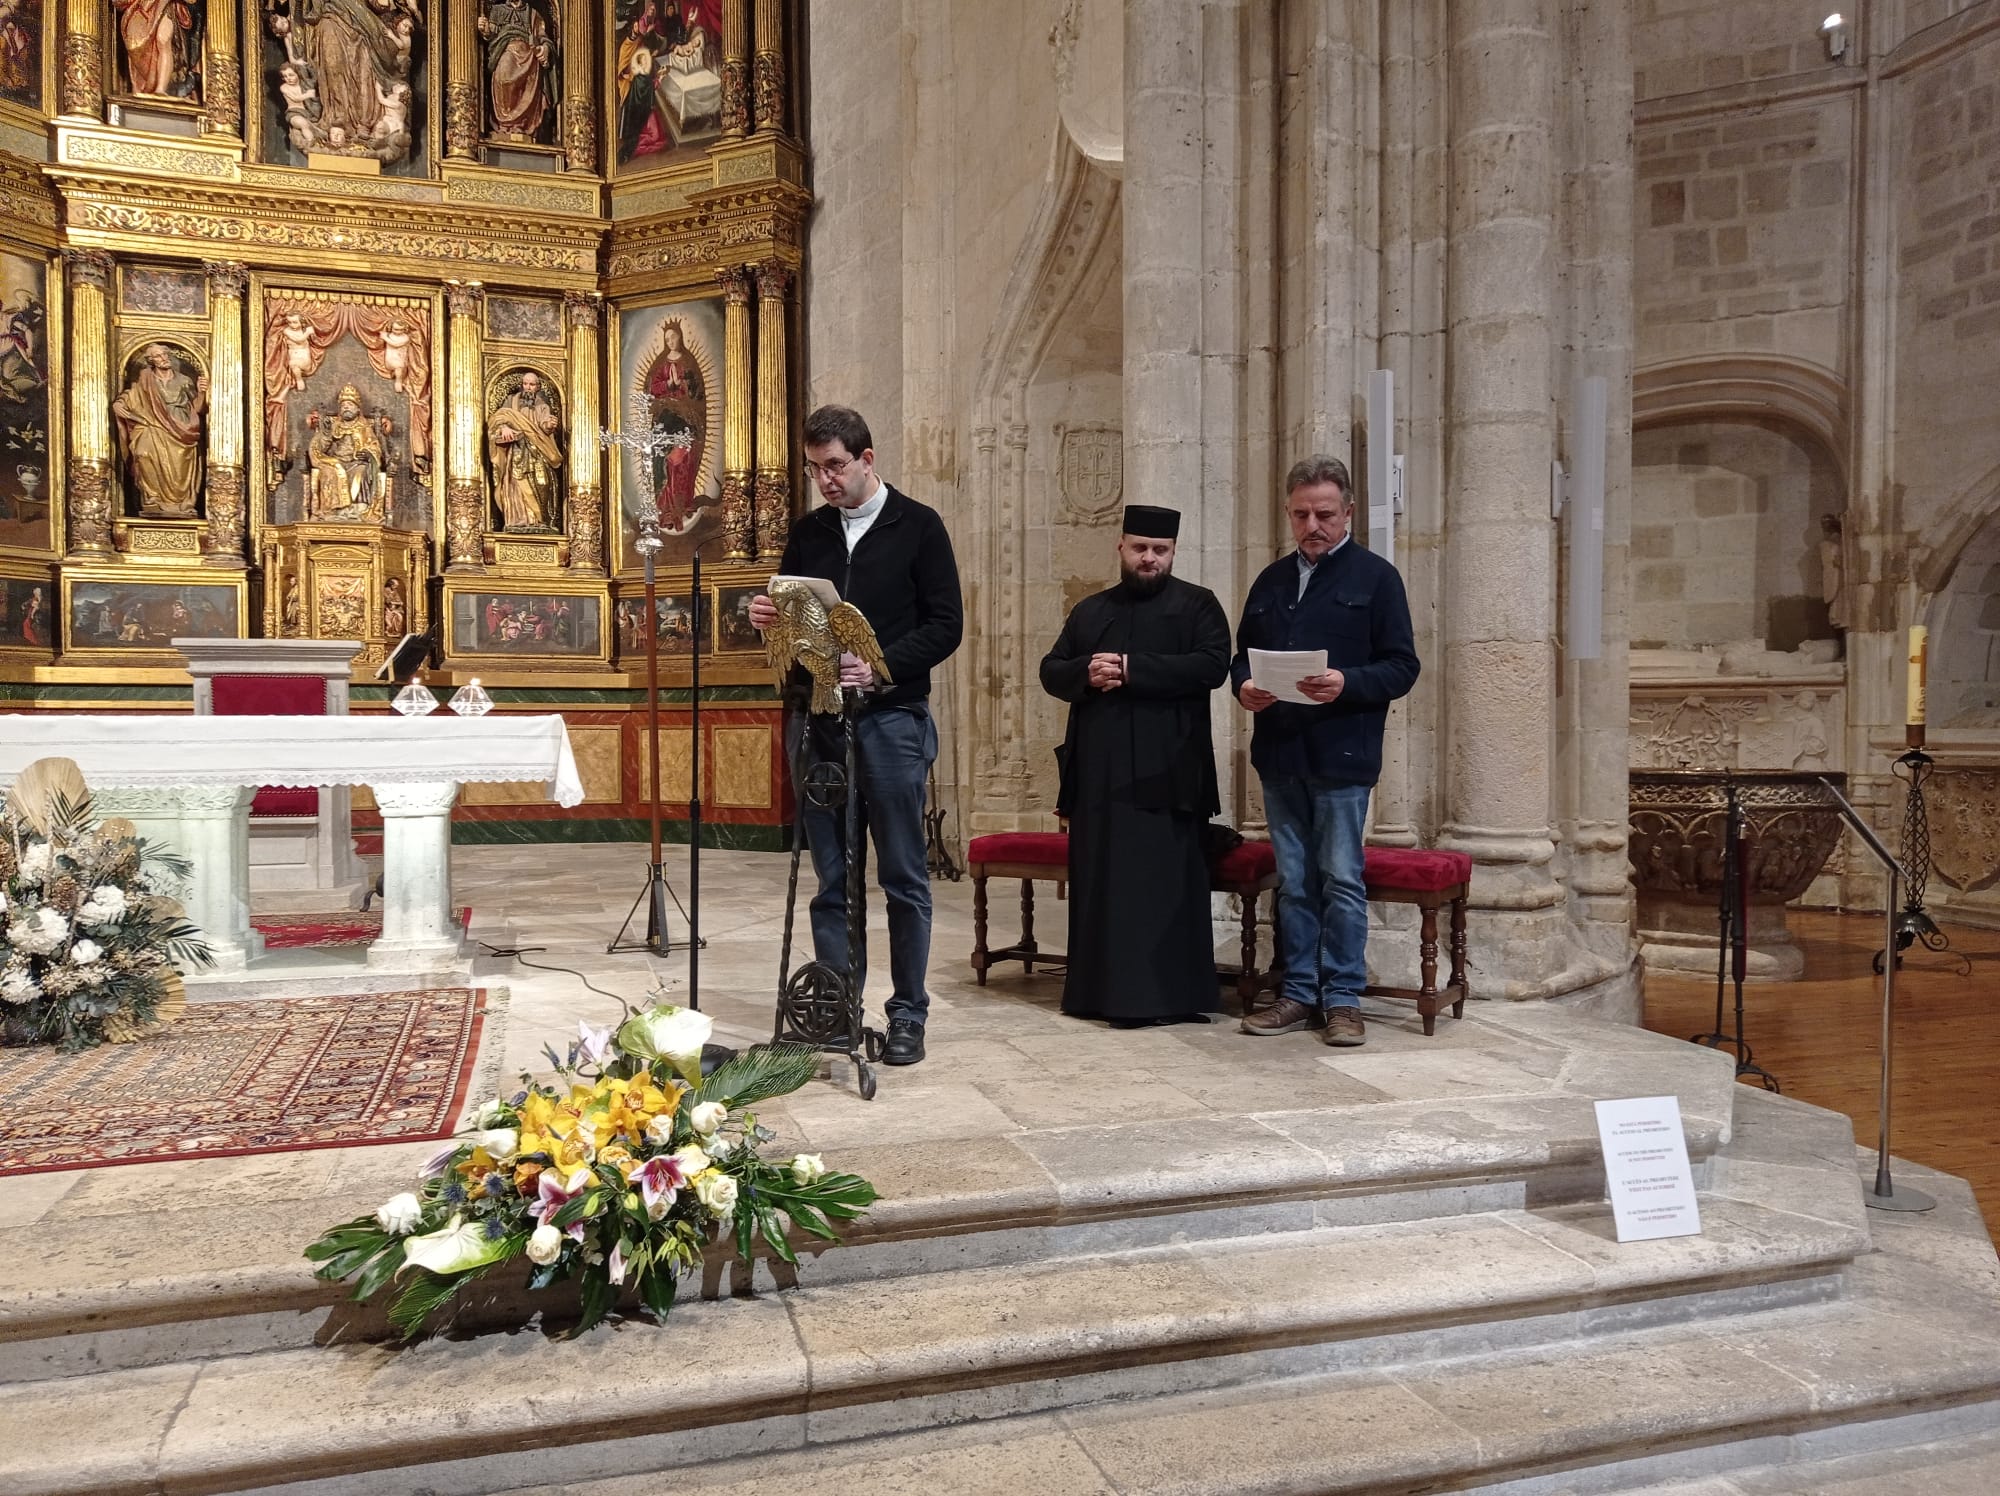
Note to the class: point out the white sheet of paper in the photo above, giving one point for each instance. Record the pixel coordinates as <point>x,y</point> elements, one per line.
<point>825,591</point>
<point>1646,1168</point>
<point>1279,671</point>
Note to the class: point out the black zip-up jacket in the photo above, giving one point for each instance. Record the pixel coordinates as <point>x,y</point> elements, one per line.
<point>903,578</point>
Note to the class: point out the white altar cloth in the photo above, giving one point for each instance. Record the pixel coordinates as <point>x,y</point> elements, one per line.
<point>166,752</point>
<point>188,781</point>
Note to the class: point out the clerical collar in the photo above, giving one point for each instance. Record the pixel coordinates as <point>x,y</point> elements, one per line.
<point>864,513</point>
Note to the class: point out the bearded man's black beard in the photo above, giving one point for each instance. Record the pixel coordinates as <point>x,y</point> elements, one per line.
<point>1139,586</point>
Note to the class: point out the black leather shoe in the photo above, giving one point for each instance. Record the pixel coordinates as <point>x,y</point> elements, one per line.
<point>905,1044</point>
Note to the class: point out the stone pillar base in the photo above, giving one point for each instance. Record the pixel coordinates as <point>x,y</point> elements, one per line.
<point>1680,936</point>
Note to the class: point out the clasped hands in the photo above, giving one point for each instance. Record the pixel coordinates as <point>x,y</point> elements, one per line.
<point>1106,672</point>
<point>854,671</point>
<point>1323,688</point>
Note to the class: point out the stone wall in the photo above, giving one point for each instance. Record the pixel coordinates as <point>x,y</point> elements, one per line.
<point>1725,536</point>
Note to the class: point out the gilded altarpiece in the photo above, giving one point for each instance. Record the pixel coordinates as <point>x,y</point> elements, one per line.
<point>160,366</point>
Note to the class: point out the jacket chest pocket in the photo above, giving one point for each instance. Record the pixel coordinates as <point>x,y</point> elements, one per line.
<point>1346,614</point>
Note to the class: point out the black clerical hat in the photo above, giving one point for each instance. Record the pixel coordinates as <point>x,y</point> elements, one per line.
<point>1150,522</point>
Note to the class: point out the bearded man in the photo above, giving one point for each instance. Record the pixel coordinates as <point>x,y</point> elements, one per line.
<point>1137,663</point>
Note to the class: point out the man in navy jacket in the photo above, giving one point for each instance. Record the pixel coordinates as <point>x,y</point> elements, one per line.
<point>1318,762</point>
<point>889,556</point>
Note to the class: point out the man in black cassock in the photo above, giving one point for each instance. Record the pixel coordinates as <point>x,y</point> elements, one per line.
<point>1137,663</point>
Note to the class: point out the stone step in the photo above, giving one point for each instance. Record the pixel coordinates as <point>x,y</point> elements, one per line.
<point>232,1279</point>
<point>856,1360</point>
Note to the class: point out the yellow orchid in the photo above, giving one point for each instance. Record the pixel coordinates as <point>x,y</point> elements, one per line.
<point>618,1157</point>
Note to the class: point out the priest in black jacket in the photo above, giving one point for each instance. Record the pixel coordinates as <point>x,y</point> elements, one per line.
<point>889,556</point>
<point>1137,663</point>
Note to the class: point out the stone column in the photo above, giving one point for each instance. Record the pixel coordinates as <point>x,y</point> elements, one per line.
<point>585,513</point>
<point>465,488</point>
<point>737,413</point>
<point>1499,592</point>
<point>222,80</point>
<point>1163,244</point>
<point>89,275</point>
<point>215,838</point>
<point>579,108</point>
<point>773,501</point>
<point>462,121</point>
<point>222,544</point>
<point>1600,260</point>
<point>770,73</point>
<point>81,89</point>
<point>735,69</point>
<point>417,923</point>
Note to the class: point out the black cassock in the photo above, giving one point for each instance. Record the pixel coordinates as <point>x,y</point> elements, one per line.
<point>1138,786</point>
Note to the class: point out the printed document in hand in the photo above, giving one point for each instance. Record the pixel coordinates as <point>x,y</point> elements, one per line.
<point>825,591</point>
<point>1279,671</point>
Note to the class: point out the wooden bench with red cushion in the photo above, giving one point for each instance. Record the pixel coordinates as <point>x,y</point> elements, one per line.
<point>1394,875</point>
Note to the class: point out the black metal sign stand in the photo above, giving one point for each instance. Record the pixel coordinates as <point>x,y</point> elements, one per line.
<point>819,1004</point>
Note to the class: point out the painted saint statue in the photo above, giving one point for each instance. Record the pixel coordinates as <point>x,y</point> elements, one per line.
<point>346,74</point>
<point>347,478</point>
<point>519,60</point>
<point>161,44</point>
<point>524,444</point>
<point>159,415</point>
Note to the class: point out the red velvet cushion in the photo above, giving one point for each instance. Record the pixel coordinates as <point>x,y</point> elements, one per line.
<point>268,696</point>
<point>1252,862</point>
<point>1414,869</point>
<point>1051,847</point>
<point>272,801</point>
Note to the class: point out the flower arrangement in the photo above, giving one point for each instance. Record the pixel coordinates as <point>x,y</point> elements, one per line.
<point>616,1175</point>
<point>89,938</point>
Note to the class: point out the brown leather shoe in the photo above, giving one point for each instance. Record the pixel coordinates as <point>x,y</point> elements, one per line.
<point>1283,1017</point>
<point>1344,1028</point>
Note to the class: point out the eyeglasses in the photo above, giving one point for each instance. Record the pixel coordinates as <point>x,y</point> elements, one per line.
<point>833,469</point>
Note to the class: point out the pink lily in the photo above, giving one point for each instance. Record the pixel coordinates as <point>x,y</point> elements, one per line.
<point>552,1194</point>
<point>659,1180</point>
<point>593,1042</point>
<point>435,1164</point>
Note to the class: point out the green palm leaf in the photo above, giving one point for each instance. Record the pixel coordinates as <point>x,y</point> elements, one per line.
<point>760,1074</point>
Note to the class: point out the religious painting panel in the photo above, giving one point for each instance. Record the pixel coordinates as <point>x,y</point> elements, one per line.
<point>680,623</point>
<point>109,613</point>
<point>347,79</point>
<point>668,363</point>
<point>733,630</point>
<point>348,401</point>
<point>528,626</point>
<point>159,414</point>
<point>22,28</point>
<point>28,477</point>
<point>665,64</point>
<point>523,66</point>
<point>159,47</point>
<point>163,290</point>
<point>525,450</point>
<point>27,612</point>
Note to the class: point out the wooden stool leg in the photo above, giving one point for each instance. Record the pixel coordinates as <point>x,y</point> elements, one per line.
<point>1458,984</point>
<point>1028,924</point>
<point>1246,980</point>
<point>1427,953</point>
<point>979,927</point>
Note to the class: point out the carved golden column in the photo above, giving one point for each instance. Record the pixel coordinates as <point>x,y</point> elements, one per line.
<point>82,87</point>
<point>89,274</point>
<point>465,493</point>
<point>735,68</point>
<point>222,545</point>
<point>774,443</point>
<point>579,112</point>
<point>738,413</point>
<point>461,89</point>
<point>584,514</point>
<point>222,80</point>
<point>770,65</point>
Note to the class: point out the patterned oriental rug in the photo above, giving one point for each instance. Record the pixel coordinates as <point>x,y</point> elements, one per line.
<point>325,931</point>
<point>248,1077</point>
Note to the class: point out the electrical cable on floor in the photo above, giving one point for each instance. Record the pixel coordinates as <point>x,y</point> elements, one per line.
<point>517,953</point>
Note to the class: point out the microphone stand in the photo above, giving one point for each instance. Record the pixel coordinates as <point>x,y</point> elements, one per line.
<point>654,894</point>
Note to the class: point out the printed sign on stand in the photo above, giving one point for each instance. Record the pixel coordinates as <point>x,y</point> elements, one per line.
<point>1646,1168</point>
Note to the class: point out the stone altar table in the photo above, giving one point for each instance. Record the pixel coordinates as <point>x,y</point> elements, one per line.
<point>189,781</point>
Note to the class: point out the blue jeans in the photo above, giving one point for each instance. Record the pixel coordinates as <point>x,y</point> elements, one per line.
<point>893,753</point>
<point>1316,833</point>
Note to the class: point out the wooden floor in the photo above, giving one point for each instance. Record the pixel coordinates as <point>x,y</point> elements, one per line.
<point>1821,1037</point>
